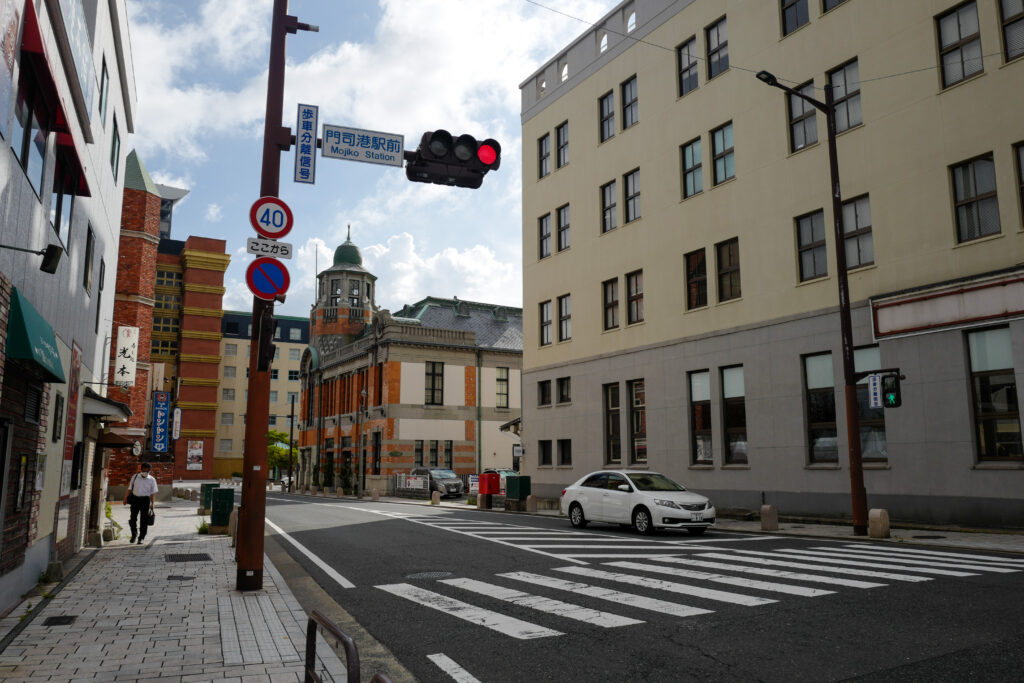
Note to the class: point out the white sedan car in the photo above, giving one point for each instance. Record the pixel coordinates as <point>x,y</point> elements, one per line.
<point>647,500</point>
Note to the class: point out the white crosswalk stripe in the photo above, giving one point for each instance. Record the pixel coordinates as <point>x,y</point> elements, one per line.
<point>719,578</point>
<point>966,557</point>
<point>904,565</point>
<point>936,562</point>
<point>824,559</point>
<point>750,556</point>
<point>557,607</point>
<point>510,626</point>
<point>778,573</point>
<point>681,588</point>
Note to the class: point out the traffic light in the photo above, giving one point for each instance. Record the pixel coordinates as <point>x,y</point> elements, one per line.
<point>891,391</point>
<point>266,347</point>
<point>444,160</point>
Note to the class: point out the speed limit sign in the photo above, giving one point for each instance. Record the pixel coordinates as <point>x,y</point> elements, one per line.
<point>270,217</point>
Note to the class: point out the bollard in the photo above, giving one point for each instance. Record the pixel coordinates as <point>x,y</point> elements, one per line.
<point>878,523</point>
<point>375,494</point>
<point>233,525</point>
<point>435,498</point>
<point>531,503</point>
<point>483,501</point>
<point>193,494</point>
<point>769,518</point>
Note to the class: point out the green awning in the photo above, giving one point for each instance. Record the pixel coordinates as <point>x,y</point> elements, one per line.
<point>30,337</point>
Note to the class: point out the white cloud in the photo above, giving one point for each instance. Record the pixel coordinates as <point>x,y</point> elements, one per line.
<point>214,213</point>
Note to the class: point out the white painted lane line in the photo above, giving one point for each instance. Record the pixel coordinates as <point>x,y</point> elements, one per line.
<point>995,559</point>
<point>327,569</point>
<point>542,604</point>
<point>736,538</point>
<point>927,562</point>
<point>451,667</point>
<point>728,580</point>
<point>620,556</point>
<point>577,546</point>
<point>509,626</point>
<point>816,567</point>
<point>779,573</point>
<point>628,599</point>
<point>814,557</point>
<point>682,588</point>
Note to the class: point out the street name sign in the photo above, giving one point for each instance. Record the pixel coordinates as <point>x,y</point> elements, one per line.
<point>305,143</point>
<point>875,391</point>
<point>267,278</point>
<point>270,217</point>
<point>368,146</point>
<point>263,247</point>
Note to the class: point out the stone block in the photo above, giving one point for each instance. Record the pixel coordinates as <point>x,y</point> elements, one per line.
<point>769,518</point>
<point>375,494</point>
<point>878,523</point>
<point>531,503</point>
<point>435,498</point>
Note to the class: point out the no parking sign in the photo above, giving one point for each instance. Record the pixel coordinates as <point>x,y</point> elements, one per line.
<point>267,278</point>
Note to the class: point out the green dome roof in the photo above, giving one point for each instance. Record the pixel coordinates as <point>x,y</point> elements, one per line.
<point>348,253</point>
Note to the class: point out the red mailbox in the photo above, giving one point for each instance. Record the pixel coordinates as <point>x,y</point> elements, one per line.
<point>490,483</point>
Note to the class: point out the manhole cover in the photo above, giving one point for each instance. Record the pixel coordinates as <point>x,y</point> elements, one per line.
<point>176,577</point>
<point>188,557</point>
<point>59,621</point>
<point>429,575</point>
<point>927,536</point>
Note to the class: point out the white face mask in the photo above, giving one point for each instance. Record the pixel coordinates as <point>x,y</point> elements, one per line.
<point>144,474</point>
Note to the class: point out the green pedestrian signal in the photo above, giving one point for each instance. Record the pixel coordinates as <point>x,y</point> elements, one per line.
<point>891,391</point>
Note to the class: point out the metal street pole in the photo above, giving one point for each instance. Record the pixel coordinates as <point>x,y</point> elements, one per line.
<point>858,494</point>
<point>252,514</point>
<point>291,447</point>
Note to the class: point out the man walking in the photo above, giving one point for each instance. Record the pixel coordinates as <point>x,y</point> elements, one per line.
<point>142,498</point>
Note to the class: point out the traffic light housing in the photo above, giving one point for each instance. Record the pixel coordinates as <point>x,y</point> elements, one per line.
<point>891,391</point>
<point>265,345</point>
<point>445,160</point>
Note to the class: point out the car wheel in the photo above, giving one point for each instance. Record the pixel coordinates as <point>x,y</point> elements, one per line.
<point>642,521</point>
<point>576,516</point>
<point>697,530</point>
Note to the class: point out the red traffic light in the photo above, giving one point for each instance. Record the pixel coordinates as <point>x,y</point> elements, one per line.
<point>486,154</point>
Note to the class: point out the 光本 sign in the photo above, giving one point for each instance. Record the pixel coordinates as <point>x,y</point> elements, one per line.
<point>369,146</point>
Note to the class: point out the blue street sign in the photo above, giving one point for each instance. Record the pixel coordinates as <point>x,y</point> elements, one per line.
<point>305,144</point>
<point>161,410</point>
<point>267,278</point>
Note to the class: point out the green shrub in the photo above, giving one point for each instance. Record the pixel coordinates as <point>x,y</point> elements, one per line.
<point>236,474</point>
<point>204,527</point>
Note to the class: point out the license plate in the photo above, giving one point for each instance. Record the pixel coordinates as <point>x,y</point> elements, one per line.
<point>696,516</point>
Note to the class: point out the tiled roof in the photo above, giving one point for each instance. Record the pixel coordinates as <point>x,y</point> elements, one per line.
<point>495,326</point>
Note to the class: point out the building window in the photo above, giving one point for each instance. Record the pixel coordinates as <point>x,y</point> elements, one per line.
<point>696,280</point>
<point>803,119</point>
<point>630,103</point>
<point>161,324</point>
<point>563,227</point>
<point>434,382</point>
<point>544,155</point>
<point>544,392</point>
<point>718,48</point>
<point>606,109</point>
<point>734,416</point>
<point>227,394</point>
<point>631,22</point>
<point>171,302</point>
<point>562,142</point>
<point>168,278</point>
<point>544,236</point>
<point>794,15</point>
<point>90,247</point>
<point>115,150</point>
<point>635,291</point>
<point>294,354</point>
<point>1012,13</point>
<point>686,60</point>
<point>565,453</point>
<point>501,383</point>
<point>960,44</point>
<point>994,390</point>
<point>273,396</point>
<point>860,247</point>
<point>272,420</point>
<point>293,375</point>
<point>700,417</point>
<point>544,453</point>
<point>417,456</point>
<point>33,404</point>
<point>225,445</point>
<point>610,296</point>
<point>293,397</point>
<point>564,385</point>
<point>274,373</point>
<point>564,318</point>
<point>62,200</point>
<point>227,418</point>
<point>822,436</point>
<point>231,349</point>
<point>845,82</point>
<point>295,334</point>
<point>58,418</point>
<point>721,146</point>
<point>810,240</point>
<point>873,447</point>
<point>632,185</point>
<point>637,421</point>
<point>1019,153</point>
<point>612,438</point>
<point>104,93</point>
<point>229,371</point>
<point>433,454</point>
<point>693,170</point>
<point>974,191</point>
<point>827,5</point>
<point>163,347</point>
<point>728,269</point>
<point>449,453</point>
<point>545,323</point>
<point>30,132</point>
<point>608,215</point>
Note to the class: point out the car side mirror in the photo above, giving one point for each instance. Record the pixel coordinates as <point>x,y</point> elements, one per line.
<point>624,487</point>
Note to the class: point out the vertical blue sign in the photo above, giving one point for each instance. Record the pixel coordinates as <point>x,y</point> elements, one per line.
<point>161,410</point>
<point>305,143</point>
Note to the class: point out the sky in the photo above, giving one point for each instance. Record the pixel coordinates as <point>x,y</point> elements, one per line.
<point>397,66</point>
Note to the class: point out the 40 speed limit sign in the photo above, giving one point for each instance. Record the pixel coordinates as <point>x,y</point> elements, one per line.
<point>270,217</point>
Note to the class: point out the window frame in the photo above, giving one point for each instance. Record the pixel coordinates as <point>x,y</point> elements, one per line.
<point>820,426</point>
<point>606,116</point>
<point>858,232</point>
<point>544,155</point>
<point>564,447</point>
<point>974,200</point>
<point>564,317</point>
<point>88,257</point>
<point>115,148</point>
<point>1005,22</point>
<point>637,421</point>
<point>635,297</point>
<point>631,190</point>
<point>630,95</point>
<point>1018,153</point>
<point>544,453</point>
<point>729,270</point>
<point>501,384</point>
<point>701,423</point>
<point>545,322</point>
<point>847,97</point>
<point>610,301</point>
<point>795,5</point>
<point>562,144</point>
<point>713,54</point>
<point>959,45</point>
<point>612,427</point>
<point>544,236</point>
<point>696,282</point>
<point>829,5</point>
<point>562,241</point>
<point>104,92</point>
<point>807,117</point>
<point>981,420</point>
<point>563,390</point>
<point>609,204</point>
<point>723,155</point>
<point>433,383</point>
<point>687,80</point>
<point>543,392</point>
<point>813,246</point>
<point>734,420</point>
<point>695,170</point>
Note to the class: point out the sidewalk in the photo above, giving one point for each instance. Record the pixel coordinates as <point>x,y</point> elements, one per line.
<point>166,610</point>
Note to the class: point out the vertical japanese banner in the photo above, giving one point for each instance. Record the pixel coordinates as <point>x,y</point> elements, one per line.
<point>305,143</point>
<point>161,414</point>
<point>195,455</point>
<point>71,423</point>
<point>127,356</point>
<point>9,25</point>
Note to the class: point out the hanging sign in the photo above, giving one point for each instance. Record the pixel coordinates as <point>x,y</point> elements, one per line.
<point>161,414</point>
<point>126,357</point>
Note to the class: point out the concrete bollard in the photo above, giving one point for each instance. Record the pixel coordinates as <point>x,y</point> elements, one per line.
<point>435,498</point>
<point>483,501</point>
<point>339,492</point>
<point>769,518</point>
<point>193,494</point>
<point>233,525</point>
<point>375,494</point>
<point>531,503</point>
<point>878,523</point>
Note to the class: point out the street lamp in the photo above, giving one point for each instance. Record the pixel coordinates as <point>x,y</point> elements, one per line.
<point>360,463</point>
<point>858,494</point>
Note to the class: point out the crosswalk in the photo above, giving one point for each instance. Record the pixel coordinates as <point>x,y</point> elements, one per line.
<point>680,585</point>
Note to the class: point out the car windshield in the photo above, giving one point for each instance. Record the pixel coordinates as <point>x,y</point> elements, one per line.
<point>654,482</point>
<point>444,474</point>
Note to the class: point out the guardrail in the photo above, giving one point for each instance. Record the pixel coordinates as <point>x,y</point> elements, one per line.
<point>351,651</point>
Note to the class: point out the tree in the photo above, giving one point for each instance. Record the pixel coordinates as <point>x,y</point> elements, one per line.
<point>278,453</point>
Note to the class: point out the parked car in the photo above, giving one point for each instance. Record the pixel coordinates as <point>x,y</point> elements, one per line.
<point>647,500</point>
<point>442,480</point>
<point>503,473</point>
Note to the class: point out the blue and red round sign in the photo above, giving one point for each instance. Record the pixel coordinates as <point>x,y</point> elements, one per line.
<point>267,278</point>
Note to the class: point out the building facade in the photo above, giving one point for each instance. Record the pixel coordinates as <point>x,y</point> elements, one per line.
<point>67,98</point>
<point>430,385</point>
<point>291,337</point>
<point>686,318</point>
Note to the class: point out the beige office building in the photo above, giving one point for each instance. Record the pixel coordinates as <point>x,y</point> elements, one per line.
<point>679,260</point>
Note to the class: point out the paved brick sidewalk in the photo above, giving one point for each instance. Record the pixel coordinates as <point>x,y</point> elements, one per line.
<point>140,615</point>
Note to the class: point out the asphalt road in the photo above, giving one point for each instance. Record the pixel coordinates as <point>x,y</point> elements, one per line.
<point>475,595</point>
